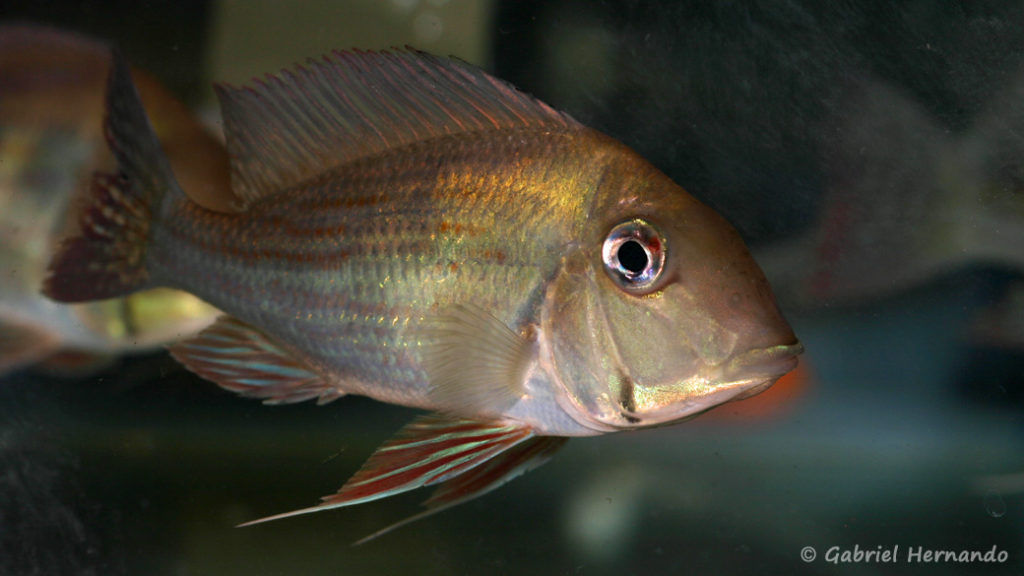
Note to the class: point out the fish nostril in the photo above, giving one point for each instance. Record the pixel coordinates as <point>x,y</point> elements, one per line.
<point>735,301</point>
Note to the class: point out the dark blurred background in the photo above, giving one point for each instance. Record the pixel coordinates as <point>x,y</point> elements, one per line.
<point>870,153</point>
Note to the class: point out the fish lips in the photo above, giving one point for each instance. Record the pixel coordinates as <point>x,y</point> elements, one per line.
<point>764,365</point>
<point>743,376</point>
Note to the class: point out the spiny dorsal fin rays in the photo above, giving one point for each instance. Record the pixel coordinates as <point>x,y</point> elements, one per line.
<point>475,362</point>
<point>304,121</point>
<point>429,450</point>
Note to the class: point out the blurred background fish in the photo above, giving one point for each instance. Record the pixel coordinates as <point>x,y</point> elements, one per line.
<point>907,201</point>
<point>52,85</point>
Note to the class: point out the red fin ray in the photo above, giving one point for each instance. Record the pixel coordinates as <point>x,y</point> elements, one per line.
<point>492,474</point>
<point>482,479</point>
<point>429,450</point>
<point>434,449</point>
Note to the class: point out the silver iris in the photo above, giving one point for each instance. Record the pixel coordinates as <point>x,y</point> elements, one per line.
<point>634,255</point>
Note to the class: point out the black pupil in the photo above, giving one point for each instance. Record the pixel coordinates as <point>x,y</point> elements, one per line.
<point>633,257</point>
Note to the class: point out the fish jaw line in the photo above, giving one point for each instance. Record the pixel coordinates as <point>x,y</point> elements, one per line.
<point>740,377</point>
<point>748,374</point>
<point>769,363</point>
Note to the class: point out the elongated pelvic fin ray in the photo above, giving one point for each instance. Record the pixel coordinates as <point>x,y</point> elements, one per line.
<point>475,362</point>
<point>429,450</point>
<point>349,105</point>
<point>517,461</point>
<point>489,476</point>
<point>243,359</point>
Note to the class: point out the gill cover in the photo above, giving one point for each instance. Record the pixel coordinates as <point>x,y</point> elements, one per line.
<point>629,361</point>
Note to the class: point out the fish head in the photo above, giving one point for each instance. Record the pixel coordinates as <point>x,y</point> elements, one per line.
<point>659,311</point>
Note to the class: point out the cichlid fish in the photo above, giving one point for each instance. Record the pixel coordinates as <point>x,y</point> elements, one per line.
<point>411,229</point>
<point>52,86</point>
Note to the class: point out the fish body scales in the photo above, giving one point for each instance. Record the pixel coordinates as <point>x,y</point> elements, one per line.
<point>347,264</point>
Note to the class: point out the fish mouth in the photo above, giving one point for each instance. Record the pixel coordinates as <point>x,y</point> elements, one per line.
<point>742,376</point>
<point>756,370</point>
<point>766,362</point>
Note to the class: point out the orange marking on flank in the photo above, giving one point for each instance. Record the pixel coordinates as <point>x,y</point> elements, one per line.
<point>444,227</point>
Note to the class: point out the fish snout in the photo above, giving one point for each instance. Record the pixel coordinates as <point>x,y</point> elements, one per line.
<point>761,367</point>
<point>751,311</point>
<point>766,348</point>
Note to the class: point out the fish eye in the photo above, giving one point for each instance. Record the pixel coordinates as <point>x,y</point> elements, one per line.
<point>634,255</point>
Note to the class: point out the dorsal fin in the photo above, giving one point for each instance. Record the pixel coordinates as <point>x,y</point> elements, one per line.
<point>349,105</point>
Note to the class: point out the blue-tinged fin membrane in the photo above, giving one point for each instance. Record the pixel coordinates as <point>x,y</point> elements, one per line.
<point>435,449</point>
<point>494,473</point>
<point>243,359</point>
<point>350,105</point>
<point>482,479</point>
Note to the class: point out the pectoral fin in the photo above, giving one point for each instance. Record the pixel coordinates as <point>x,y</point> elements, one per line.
<point>475,362</point>
<point>430,450</point>
<point>243,359</point>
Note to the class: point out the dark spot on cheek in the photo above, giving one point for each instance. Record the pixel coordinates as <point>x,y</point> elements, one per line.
<point>627,398</point>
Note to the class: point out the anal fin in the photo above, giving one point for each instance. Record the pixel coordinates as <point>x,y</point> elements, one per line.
<point>243,359</point>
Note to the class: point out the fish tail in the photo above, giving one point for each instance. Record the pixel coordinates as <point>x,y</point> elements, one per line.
<point>108,256</point>
<point>918,202</point>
